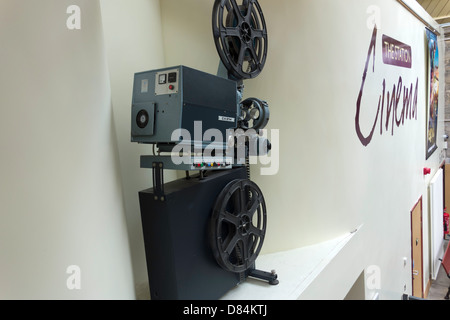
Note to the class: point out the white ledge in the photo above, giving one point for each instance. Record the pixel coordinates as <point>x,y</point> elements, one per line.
<point>296,270</point>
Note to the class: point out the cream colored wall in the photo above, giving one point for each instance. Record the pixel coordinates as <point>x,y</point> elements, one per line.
<point>328,182</point>
<point>61,199</point>
<point>133,40</point>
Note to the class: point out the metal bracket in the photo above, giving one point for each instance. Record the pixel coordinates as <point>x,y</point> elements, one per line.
<point>158,180</point>
<point>271,277</point>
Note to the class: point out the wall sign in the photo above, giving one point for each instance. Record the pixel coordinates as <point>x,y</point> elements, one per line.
<point>433,84</point>
<point>397,101</point>
<point>396,53</point>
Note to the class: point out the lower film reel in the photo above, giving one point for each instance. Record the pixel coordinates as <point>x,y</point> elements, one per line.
<point>238,225</point>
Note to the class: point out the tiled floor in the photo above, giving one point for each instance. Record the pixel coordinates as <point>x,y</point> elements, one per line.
<point>439,287</point>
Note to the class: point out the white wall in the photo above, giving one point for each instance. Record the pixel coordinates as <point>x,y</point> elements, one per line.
<point>61,199</point>
<point>133,40</point>
<point>328,182</point>
<point>60,189</point>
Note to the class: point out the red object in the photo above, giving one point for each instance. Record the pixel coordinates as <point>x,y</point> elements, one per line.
<point>446,260</point>
<point>446,223</point>
<point>171,87</point>
<point>426,171</point>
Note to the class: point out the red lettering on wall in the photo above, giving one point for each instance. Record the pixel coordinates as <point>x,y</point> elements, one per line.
<point>400,103</point>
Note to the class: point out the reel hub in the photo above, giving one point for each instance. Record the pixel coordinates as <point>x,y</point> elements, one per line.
<point>246,32</point>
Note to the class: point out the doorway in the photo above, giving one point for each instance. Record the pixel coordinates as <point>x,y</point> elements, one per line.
<point>417,250</point>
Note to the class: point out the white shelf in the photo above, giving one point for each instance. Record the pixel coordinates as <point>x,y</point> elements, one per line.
<point>296,270</point>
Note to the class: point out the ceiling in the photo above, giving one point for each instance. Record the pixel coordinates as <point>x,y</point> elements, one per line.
<point>438,9</point>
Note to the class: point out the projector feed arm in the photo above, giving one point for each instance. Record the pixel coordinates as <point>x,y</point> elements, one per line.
<point>158,180</point>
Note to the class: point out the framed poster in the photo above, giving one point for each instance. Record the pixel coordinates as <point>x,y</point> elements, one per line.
<point>433,92</point>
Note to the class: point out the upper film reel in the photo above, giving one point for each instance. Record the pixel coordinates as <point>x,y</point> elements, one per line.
<point>240,35</point>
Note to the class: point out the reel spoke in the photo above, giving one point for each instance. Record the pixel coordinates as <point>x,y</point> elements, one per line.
<point>236,203</point>
<point>230,32</point>
<point>232,5</point>
<point>248,15</point>
<point>243,199</point>
<point>246,254</point>
<point>254,206</point>
<point>231,218</point>
<point>254,55</point>
<point>258,33</point>
<point>230,247</point>
<point>257,232</point>
<point>242,53</point>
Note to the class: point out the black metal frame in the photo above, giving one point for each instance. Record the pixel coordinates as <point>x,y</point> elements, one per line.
<point>158,180</point>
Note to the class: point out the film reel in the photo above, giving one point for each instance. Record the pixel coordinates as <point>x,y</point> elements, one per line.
<point>255,114</point>
<point>240,35</point>
<point>238,225</point>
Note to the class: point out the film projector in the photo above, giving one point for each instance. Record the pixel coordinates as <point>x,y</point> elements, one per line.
<point>203,232</point>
